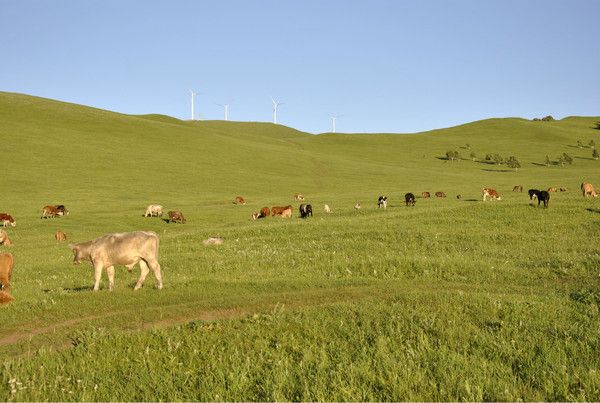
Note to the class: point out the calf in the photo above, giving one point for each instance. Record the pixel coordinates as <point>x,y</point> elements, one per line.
<point>263,213</point>
<point>409,199</point>
<point>176,216</point>
<point>128,249</point>
<point>327,209</point>
<point>357,206</point>
<point>51,212</point>
<point>154,210</point>
<point>518,188</point>
<point>563,189</point>
<point>287,213</point>
<point>278,210</point>
<point>298,197</point>
<point>239,200</point>
<point>491,193</point>
<point>7,219</point>
<point>7,263</point>
<point>4,239</point>
<point>305,210</point>
<point>425,195</point>
<point>533,193</point>
<point>588,190</point>
<point>440,194</point>
<point>382,202</point>
<point>552,189</point>
<point>60,236</point>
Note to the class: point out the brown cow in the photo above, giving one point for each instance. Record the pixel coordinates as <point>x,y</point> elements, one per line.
<point>552,189</point>
<point>563,189</point>
<point>588,190</point>
<point>4,239</point>
<point>518,188</point>
<point>440,194</point>
<point>491,193</point>
<point>263,213</point>
<point>7,219</point>
<point>51,212</point>
<point>298,197</point>
<point>287,213</point>
<point>239,200</point>
<point>60,236</point>
<point>7,263</point>
<point>425,195</point>
<point>128,249</point>
<point>176,216</point>
<point>278,210</point>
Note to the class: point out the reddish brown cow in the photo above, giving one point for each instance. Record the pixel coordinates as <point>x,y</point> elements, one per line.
<point>278,210</point>
<point>60,236</point>
<point>176,216</point>
<point>239,200</point>
<point>425,195</point>
<point>491,193</point>
<point>6,219</point>
<point>263,213</point>
<point>440,194</point>
<point>51,212</point>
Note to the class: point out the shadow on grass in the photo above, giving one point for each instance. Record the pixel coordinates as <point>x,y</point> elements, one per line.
<point>593,210</point>
<point>470,200</point>
<point>585,158</point>
<point>69,289</point>
<point>498,170</point>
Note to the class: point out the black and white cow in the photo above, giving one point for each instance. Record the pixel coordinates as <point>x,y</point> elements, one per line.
<point>541,195</point>
<point>533,193</point>
<point>305,210</point>
<point>382,202</point>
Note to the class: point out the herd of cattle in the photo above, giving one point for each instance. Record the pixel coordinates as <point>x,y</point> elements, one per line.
<point>141,247</point>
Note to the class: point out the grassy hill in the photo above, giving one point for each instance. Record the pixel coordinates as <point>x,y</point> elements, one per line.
<point>449,300</point>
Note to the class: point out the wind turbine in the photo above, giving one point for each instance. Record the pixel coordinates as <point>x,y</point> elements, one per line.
<point>226,107</point>
<point>333,119</point>
<point>193,96</point>
<point>275,105</point>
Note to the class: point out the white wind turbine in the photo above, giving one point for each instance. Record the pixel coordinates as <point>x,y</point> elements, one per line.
<point>333,119</point>
<point>193,96</point>
<point>226,108</point>
<point>275,106</point>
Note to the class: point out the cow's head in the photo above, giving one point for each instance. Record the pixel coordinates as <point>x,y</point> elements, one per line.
<point>78,254</point>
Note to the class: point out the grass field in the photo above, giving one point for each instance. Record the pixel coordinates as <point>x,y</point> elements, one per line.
<point>448,300</point>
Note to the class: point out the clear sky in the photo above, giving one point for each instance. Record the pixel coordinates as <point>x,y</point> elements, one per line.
<point>384,66</point>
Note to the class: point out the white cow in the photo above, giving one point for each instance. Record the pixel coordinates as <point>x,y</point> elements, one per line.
<point>154,210</point>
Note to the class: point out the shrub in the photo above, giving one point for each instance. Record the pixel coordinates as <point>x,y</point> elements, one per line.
<point>452,155</point>
<point>497,159</point>
<point>595,154</point>
<point>548,118</point>
<point>473,156</point>
<point>547,162</point>
<point>512,162</point>
<point>592,144</point>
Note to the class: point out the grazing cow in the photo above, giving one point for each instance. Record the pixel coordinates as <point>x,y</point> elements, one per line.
<point>357,206</point>
<point>305,210</point>
<point>459,197</point>
<point>518,188</point>
<point>298,197</point>
<point>176,216</point>
<point>7,219</point>
<point>563,189</point>
<point>491,193</point>
<point>4,239</point>
<point>533,193</point>
<point>213,240</point>
<point>588,190</point>
<point>409,199</point>
<point>263,213</point>
<point>51,212</point>
<point>543,196</point>
<point>154,210</point>
<point>327,209</point>
<point>440,194</point>
<point>382,202</point>
<point>239,200</point>
<point>282,211</point>
<point>552,189</point>
<point>425,195</point>
<point>7,263</point>
<point>60,236</point>
<point>127,248</point>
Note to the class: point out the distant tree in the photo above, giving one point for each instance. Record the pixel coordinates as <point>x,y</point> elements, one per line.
<point>592,144</point>
<point>597,126</point>
<point>497,159</point>
<point>568,159</point>
<point>488,157</point>
<point>468,146</point>
<point>561,161</point>
<point>452,155</point>
<point>536,119</point>
<point>595,154</point>
<point>548,118</point>
<point>512,162</point>
<point>579,144</point>
<point>473,156</point>
<point>547,162</point>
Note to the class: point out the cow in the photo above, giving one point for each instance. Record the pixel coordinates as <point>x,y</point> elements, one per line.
<point>176,216</point>
<point>357,206</point>
<point>4,239</point>
<point>458,197</point>
<point>542,197</point>
<point>409,199</point>
<point>298,197</point>
<point>51,212</point>
<point>7,262</point>
<point>491,193</point>
<point>563,189</point>
<point>440,194</point>
<point>425,195</point>
<point>278,210</point>
<point>382,202</point>
<point>533,193</point>
<point>62,209</point>
<point>588,190</point>
<point>305,210</point>
<point>7,219</point>
<point>518,188</point>
<point>126,248</point>
<point>263,213</point>
<point>154,210</point>
<point>213,240</point>
<point>60,236</point>
<point>327,209</point>
<point>239,200</point>
<point>552,189</point>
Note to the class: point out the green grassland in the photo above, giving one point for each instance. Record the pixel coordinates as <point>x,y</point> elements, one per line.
<point>448,300</point>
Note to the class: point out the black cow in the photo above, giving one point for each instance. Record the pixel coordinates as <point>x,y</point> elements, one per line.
<point>382,202</point>
<point>305,210</point>
<point>409,198</point>
<point>533,193</point>
<point>544,197</point>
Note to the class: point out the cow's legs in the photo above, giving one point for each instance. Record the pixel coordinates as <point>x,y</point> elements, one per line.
<point>97,275</point>
<point>144,272</point>
<point>110,270</point>
<point>155,266</point>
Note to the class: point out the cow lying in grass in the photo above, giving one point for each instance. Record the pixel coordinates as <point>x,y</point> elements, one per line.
<point>4,239</point>
<point>176,216</point>
<point>128,249</point>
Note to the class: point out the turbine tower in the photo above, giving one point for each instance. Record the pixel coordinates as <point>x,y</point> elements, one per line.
<point>226,107</point>
<point>193,96</point>
<point>333,119</point>
<point>275,105</point>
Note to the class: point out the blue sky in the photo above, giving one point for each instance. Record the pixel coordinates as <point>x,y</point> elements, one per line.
<point>384,66</point>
